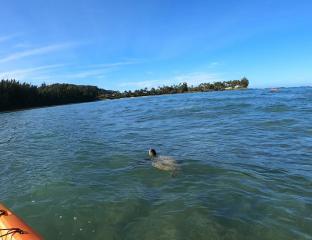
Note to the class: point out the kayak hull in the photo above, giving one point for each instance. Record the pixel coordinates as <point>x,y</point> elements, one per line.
<point>9,220</point>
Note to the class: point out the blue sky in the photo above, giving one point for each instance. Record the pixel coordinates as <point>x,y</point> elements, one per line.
<point>134,44</point>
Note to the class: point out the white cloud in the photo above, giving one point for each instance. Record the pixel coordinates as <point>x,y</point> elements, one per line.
<point>35,51</point>
<point>26,74</point>
<point>118,64</point>
<point>58,73</point>
<point>197,78</point>
<point>22,45</point>
<point>50,73</point>
<point>96,71</point>
<point>213,64</point>
<point>8,37</point>
<point>88,73</point>
<point>144,84</point>
<point>193,78</point>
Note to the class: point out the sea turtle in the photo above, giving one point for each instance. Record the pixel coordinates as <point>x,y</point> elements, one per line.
<point>164,163</point>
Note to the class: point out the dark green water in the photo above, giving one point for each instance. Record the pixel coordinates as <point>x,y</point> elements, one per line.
<point>78,171</point>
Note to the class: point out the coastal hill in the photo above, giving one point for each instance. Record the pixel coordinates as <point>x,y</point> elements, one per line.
<point>16,95</point>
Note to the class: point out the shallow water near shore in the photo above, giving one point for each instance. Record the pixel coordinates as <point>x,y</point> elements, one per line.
<point>79,171</point>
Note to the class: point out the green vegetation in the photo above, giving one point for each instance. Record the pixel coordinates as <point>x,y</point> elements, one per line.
<point>183,88</point>
<point>16,95</point>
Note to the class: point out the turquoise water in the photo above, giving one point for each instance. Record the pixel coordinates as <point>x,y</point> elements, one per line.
<point>79,171</point>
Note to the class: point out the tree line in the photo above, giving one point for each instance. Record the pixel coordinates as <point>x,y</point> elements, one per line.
<point>182,88</point>
<point>16,95</point>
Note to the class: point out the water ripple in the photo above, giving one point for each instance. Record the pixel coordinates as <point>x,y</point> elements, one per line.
<point>80,170</point>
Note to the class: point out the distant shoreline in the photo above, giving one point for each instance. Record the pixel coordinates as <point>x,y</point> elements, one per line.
<point>16,96</point>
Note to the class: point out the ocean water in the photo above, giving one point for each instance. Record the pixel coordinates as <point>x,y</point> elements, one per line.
<point>81,171</point>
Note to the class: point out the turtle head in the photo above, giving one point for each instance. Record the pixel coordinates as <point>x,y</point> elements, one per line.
<point>152,153</point>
